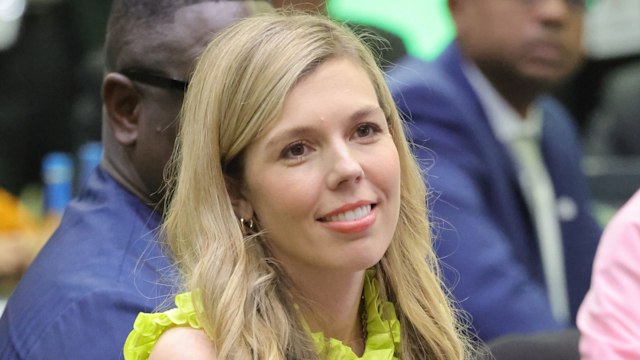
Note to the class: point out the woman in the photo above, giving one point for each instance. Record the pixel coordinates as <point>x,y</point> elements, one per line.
<point>288,219</point>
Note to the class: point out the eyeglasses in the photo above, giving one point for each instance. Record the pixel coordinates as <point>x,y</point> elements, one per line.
<point>149,78</point>
<point>585,4</point>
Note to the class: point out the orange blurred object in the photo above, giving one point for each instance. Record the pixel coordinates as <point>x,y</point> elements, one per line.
<point>13,215</point>
<point>21,235</point>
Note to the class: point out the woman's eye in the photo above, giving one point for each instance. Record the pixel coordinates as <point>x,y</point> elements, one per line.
<point>366,130</point>
<point>295,151</point>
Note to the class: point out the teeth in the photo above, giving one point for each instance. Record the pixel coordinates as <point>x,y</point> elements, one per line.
<point>351,215</point>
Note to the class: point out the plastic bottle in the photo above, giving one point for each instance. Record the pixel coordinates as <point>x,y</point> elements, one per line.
<point>57,178</point>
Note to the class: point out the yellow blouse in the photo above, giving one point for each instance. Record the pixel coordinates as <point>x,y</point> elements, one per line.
<point>383,329</point>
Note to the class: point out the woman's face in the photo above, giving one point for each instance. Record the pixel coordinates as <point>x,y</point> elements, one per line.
<point>324,182</point>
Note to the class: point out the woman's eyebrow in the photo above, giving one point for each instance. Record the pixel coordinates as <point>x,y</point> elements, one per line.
<point>306,130</point>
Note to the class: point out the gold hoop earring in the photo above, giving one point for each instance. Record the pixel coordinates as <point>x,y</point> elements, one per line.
<point>247,225</point>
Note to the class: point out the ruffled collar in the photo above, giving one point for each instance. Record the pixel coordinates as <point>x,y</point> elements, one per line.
<point>383,330</point>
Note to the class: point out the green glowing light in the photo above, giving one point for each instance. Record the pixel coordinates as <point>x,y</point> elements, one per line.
<point>424,25</point>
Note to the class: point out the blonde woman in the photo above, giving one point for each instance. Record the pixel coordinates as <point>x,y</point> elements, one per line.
<point>298,213</point>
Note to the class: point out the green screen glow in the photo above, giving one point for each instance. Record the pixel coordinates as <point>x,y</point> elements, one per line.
<point>424,25</point>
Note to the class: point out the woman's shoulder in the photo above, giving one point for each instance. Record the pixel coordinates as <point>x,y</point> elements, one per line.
<point>149,328</point>
<point>183,343</point>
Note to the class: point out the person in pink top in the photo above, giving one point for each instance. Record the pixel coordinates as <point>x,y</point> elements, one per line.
<point>609,317</point>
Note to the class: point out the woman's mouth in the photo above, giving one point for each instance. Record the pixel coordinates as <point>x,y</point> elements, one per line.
<point>351,215</point>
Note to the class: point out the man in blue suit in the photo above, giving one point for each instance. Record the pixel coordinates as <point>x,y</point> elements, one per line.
<point>104,264</point>
<point>516,235</point>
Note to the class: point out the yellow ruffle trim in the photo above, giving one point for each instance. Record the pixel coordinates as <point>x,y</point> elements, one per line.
<point>383,330</point>
<point>148,327</point>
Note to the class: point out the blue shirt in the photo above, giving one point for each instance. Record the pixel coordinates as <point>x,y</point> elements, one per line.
<point>101,267</point>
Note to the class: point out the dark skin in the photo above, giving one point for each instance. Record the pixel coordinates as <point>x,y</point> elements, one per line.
<point>524,48</point>
<point>139,120</point>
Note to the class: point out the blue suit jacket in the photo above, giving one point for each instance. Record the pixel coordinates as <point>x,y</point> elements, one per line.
<point>102,266</point>
<point>484,233</point>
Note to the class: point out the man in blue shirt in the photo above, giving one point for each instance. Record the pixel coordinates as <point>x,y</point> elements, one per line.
<point>517,243</point>
<point>103,265</point>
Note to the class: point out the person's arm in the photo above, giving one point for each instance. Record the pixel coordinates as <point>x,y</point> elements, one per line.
<point>92,327</point>
<point>480,264</point>
<point>609,318</point>
<point>183,342</point>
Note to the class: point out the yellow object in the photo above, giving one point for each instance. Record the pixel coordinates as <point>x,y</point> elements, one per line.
<point>13,215</point>
<point>17,237</point>
<point>21,235</point>
<point>383,329</point>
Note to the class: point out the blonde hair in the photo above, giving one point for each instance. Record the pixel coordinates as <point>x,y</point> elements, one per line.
<point>237,91</point>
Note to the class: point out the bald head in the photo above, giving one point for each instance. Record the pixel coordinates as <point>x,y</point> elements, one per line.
<point>161,38</point>
<point>132,21</point>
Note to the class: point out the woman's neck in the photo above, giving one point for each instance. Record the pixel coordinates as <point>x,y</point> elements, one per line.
<point>334,302</point>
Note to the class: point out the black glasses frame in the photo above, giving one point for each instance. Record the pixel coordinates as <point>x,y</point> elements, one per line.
<point>583,4</point>
<point>149,78</point>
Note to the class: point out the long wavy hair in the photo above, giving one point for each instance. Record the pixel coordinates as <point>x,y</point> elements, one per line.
<point>243,298</point>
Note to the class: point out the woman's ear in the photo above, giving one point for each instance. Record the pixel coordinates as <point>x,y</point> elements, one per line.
<point>122,104</point>
<point>240,203</point>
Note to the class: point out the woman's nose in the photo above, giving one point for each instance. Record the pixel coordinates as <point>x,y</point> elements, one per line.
<point>344,168</point>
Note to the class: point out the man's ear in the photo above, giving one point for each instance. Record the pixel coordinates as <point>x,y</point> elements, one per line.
<point>122,104</point>
<point>240,203</point>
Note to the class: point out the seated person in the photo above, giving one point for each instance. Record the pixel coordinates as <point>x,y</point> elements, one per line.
<point>103,265</point>
<point>503,162</point>
<point>297,216</point>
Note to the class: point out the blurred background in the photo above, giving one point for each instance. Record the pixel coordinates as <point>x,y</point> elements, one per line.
<point>51,69</point>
